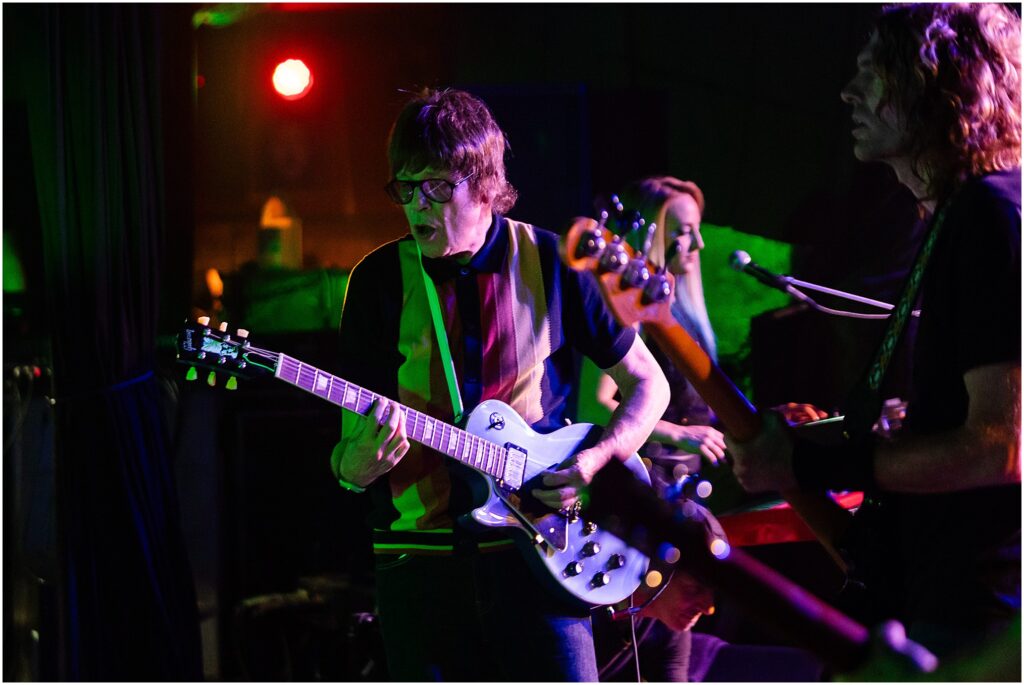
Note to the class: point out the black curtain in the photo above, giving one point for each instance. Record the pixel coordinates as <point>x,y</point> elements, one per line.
<point>91,80</point>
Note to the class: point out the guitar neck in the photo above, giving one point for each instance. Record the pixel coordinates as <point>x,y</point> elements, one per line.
<point>477,453</point>
<point>827,519</point>
<point>731,406</point>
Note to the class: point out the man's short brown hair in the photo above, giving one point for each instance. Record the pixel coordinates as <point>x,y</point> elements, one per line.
<point>452,130</point>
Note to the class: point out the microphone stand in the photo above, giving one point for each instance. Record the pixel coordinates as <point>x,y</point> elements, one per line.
<point>741,261</point>
<point>791,289</point>
<point>836,293</point>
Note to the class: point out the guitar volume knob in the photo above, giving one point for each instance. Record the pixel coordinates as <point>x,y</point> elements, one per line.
<point>574,568</point>
<point>600,579</point>
<point>616,561</point>
<point>592,548</point>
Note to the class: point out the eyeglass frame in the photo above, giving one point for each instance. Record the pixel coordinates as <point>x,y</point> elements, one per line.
<point>452,185</point>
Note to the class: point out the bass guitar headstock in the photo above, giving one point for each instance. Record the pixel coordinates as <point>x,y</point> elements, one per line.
<point>222,352</point>
<point>635,290</point>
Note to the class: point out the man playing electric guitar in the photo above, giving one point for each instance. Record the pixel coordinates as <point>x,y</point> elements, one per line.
<point>455,605</point>
<point>936,97</point>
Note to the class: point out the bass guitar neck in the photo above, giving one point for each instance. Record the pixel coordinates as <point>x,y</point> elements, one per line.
<point>649,303</point>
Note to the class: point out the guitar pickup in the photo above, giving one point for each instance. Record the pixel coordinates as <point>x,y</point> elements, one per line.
<point>515,466</point>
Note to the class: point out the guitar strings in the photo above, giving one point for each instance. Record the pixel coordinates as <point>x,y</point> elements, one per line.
<point>493,465</point>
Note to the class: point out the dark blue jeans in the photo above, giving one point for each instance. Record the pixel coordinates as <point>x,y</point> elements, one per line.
<point>478,616</point>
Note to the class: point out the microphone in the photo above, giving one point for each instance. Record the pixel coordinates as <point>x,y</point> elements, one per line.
<point>740,261</point>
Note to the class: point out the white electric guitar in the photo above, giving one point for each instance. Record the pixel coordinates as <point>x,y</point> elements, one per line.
<point>575,558</point>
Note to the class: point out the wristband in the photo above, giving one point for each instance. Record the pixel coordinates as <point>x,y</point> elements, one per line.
<point>352,487</point>
<point>849,465</point>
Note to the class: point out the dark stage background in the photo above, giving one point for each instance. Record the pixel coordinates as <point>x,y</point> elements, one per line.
<point>140,145</point>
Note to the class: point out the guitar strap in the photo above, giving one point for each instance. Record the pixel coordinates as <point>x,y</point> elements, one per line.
<point>442,340</point>
<point>864,404</point>
<point>861,545</point>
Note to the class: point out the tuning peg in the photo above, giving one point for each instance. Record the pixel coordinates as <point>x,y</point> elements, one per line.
<point>653,579</point>
<point>191,374</point>
<point>232,383</point>
<point>211,380</point>
<point>668,553</point>
<point>657,288</point>
<point>614,257</point>
<point>242,333</point>
<point>635,274</point>
<point>203,320</point>
<point>650,237</point>
<point>617,204</point>
<point>602,220</point>
<point>223,326</point>
<point>592,243</point>
<point>720,548</point>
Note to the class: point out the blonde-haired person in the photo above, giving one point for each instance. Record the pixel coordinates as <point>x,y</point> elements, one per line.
<point>676,208</point>
<point>683,436</point>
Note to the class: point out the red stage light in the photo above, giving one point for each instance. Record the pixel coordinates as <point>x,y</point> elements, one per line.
<point>292,79</point>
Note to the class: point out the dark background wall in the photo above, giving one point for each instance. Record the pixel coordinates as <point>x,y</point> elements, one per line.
<point>742,99</point>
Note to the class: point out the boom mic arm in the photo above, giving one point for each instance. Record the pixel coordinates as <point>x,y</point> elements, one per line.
<point>741,261</point>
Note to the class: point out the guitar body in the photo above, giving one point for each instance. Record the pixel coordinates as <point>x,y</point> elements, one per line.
<point>581,563</point>
<point>503,457</point>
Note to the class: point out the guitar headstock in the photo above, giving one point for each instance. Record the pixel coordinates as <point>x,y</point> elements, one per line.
<point>635,291</point>
<point>222,352</point>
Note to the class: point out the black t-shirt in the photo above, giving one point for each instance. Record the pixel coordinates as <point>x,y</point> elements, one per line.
<point>970,301</point>
<point>954,558</point>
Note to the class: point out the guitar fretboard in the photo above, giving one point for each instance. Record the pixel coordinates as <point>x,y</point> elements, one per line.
<point>475,452</point>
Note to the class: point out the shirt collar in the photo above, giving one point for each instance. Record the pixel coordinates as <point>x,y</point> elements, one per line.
<point>488,259</point>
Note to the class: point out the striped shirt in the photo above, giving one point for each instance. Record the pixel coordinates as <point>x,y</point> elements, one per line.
<point>514,317</point>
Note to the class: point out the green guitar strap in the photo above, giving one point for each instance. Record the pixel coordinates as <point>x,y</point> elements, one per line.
<point>442,340</point>
<point>865,402</point>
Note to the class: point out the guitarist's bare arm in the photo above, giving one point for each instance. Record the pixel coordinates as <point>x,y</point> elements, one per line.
<point>371,445</point>
<point>984,451</point>
<point>764,463</point>
<point>645,395</point>
<point>706,441</point>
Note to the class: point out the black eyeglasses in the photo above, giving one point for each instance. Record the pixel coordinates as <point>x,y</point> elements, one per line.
<point>434,189</point>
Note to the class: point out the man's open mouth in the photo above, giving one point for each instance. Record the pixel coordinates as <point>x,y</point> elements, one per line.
<point>423,231</point>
